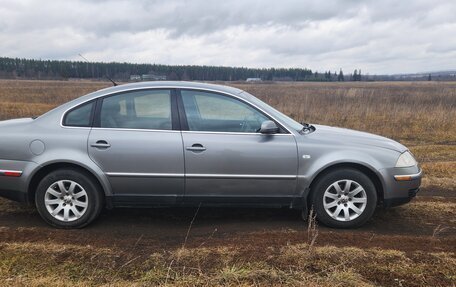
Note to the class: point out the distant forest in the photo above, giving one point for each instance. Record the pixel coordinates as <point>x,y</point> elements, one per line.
<point>52,69</point>
<point>16,68</point>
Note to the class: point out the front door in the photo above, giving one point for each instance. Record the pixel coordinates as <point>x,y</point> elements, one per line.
<point>135,144</point>
<point>227,159</point>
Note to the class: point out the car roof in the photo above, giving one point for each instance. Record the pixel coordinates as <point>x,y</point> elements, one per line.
<point>166,84</point>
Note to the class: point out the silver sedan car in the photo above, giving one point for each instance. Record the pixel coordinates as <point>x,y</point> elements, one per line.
<point>180,143</point>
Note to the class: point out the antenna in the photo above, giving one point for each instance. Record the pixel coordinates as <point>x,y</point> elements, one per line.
<point>114,83</point>
<point>84,58</point>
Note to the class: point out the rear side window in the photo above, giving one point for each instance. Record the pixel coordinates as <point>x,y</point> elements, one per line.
<point>149,109</point>
<point>80,116</point>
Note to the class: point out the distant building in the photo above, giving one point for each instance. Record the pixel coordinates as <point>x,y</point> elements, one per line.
<point>135,78</point>
<point>153,77</point>
<point>252,80</point>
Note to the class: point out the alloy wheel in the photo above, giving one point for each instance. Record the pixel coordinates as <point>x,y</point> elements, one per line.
<point>66,200</point>
<point>345,200</point>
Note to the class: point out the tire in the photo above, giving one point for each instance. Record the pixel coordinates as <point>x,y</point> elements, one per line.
<point>331,204</point>
<point>68,198</point>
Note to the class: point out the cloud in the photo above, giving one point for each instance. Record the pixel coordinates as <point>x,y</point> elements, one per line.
<point>376,36</point>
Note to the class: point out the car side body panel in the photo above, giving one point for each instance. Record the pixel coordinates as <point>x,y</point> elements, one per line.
<point>37,144</point>
<point>315,157</point>
<point>240,166</point>
<point>141,162</point>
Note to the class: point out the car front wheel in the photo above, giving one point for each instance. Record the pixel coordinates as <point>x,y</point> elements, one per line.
<point>68,198</point>
<point>344,198</point>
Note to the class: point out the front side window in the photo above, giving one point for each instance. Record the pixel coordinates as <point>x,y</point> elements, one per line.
<point>218,113</point>
<point>80,116</point>
<point>148,109</point>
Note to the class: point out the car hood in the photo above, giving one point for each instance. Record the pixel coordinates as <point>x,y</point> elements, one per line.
<point>351,137</point>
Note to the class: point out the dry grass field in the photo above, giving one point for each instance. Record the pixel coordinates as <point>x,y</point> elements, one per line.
<point>412,245</point>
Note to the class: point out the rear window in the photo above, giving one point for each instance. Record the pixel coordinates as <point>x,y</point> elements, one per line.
<point>80,116</point>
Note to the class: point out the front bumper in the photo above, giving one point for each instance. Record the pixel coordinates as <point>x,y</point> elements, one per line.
<point>408,177</point>
<point>400,185</point>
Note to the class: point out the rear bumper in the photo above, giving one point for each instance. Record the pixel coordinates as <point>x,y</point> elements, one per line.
<point>13,195</point>
<point>401,185</point>
<point>13,179</point>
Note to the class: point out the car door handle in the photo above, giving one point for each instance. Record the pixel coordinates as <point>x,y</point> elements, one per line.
<point>196,147</point>
<point>101,144</point>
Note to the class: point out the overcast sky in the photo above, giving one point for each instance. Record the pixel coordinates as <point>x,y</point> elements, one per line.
<point>381,36</point>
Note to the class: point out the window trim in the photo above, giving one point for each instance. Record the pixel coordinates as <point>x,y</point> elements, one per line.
<point>175,125</point>
<point>175,88</point>
<point>184,122</point>
<point>92,114</point>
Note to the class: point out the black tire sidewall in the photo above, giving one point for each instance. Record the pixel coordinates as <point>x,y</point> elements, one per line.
<point>326,180</point>
<point>93,195</point>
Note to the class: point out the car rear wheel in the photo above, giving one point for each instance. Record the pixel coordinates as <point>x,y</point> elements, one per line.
<point>68,198</point>
<point>344,198</point>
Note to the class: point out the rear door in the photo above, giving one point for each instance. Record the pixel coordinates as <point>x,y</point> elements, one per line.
<point>227,160</point>
<point>136,141</point>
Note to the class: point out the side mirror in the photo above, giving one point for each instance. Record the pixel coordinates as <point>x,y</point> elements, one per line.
<point>269,127</point>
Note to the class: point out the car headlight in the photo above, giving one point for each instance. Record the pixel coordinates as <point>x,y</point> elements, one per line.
<point>406,160</point>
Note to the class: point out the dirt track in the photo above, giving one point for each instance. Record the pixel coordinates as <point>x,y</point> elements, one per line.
<point>418,226</point>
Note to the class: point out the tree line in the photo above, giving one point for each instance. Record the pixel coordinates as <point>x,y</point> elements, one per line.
<point>13,68</point>
<point>54,69</point>
<point>18,68</point>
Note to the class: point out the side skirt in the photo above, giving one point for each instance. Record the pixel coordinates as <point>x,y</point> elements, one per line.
<point>148,201</point>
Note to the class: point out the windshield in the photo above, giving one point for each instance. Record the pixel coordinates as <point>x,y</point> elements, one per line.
<point>277,114</point>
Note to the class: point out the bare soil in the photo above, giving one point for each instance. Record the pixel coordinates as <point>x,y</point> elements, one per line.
<point>399,228</point>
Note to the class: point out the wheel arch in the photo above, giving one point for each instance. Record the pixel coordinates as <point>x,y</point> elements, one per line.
<point>376,179</point>
<point>43,170</point>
